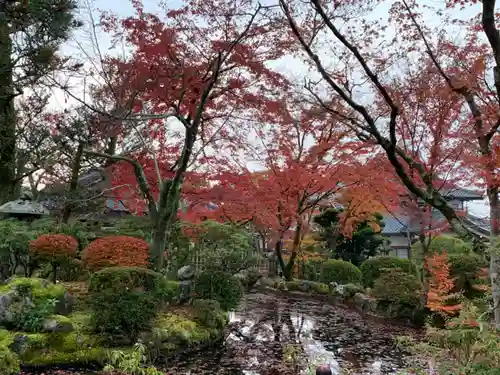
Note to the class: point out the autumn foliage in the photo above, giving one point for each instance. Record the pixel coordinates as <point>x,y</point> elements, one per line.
<point>116,251</point>
<point>53,247</point>
<point>440,297</point>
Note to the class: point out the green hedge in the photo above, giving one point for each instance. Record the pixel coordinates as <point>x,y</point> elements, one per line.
<point>340,272</point>
<point>219,286</point>
<point>371,269</point>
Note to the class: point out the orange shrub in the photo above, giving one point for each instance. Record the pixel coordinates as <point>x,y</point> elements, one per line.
<point>116,251</point>
<point>53,247</point>
<point>440,297</point>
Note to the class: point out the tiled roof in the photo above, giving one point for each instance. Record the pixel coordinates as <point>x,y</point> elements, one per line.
<point>400,224</point>
<point>394,224</point>
<point>461,193</point>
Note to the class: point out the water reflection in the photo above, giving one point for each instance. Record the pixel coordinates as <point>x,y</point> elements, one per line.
<point>265,330</point>
<point>279,336</point>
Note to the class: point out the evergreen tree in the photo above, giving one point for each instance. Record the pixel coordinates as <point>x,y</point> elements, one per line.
<point>31,32</point>
<point>364,242</point>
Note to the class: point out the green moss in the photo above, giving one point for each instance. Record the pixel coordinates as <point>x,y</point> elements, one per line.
<point>61,319</point>
<point>52,357</point>
<point>5,337</point>
<point>42,289</point>
<point>320,288</point>
<point>171,328</point>
<point>81,321</point>
<point>293,285</point>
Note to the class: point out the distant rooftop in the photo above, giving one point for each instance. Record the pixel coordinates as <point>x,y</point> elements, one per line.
<point>461,194</point>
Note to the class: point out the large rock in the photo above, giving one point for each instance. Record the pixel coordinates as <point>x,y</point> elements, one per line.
<point>185,273</point>
<point>248,278</point>
<point>22,296</point>
<point>57,323</point>
<point>64,305</point>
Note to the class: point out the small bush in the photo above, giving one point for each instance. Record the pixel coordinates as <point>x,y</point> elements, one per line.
<point>371,269</point>
<point>397,288</point>
<point>312,270</point>
<point>120,278</point>
<point>170,290</point>
<point>350,290</point>
<point>116,251</point>
<point>465,269</point>
<point>55,249</point>
<point>9,363</point>
<point>209,313</point>
<point>126,299</point>
<point>124,312</point>
<point>320,288</point>
<point>220,286</point>
<point>340,272</point>
<point>293,285</point>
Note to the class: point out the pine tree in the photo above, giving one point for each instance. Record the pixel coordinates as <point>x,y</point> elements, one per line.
<point>30,33</point>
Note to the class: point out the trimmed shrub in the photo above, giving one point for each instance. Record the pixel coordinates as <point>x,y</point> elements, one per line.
<point>450,244</point>
<point>220,286</point>
<point>125,312</point>
<point>398,288</point>
<point>312,270</point>
<point>126,299</point>
<point>466,270</point>
<point>372,268</point>
<point>55,249</point>
<point>120,278</point>
<point>116,251</point>
<point>209,313</point>
<point>339,271</point>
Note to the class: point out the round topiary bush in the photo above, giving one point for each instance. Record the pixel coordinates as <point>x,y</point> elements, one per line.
<point>125,300</point>
<point>339,271</point>
<point>116,251</point>
<point>371,269</point>
<point>55,249</point>
<point>220,286</point>
<point>397,288</point>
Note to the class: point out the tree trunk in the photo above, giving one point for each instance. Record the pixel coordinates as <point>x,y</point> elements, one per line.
<point>7,113</point>
<point>73,185</point>
<point>278,248</point>
<point>495,252</point>
<point>288,271</point>
<point>54,273</point>
<point>158,244</point>
<point>165,218</point>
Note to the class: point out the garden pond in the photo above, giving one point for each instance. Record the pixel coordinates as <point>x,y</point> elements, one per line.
<point>267,331</point>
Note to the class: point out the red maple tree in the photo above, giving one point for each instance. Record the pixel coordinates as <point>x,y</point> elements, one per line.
<point>304,165</point>
<point>174,101</point>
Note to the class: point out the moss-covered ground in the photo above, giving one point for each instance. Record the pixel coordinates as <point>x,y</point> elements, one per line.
<point>175,329</point>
